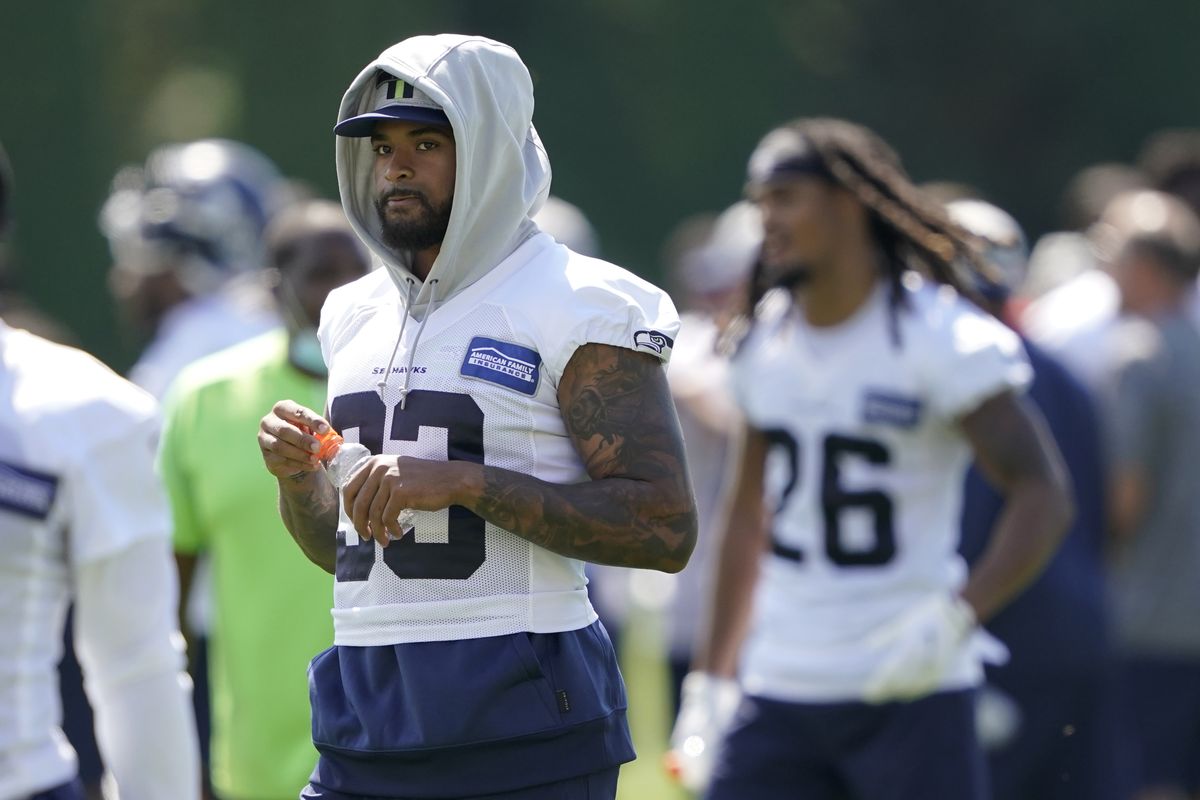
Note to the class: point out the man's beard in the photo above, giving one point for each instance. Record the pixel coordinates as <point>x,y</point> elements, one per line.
<point>420,233</point>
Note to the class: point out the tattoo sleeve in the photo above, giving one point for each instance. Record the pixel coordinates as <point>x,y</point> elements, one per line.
<point>309,509</point>
<point>637,510</point>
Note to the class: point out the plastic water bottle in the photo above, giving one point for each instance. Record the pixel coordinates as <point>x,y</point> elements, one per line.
<point>342,460</point>
<point>345,459</point>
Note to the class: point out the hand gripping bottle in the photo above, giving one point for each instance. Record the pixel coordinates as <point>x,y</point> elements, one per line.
<point>342,459</point>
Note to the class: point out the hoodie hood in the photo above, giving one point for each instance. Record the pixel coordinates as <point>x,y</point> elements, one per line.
<point>502,171</point>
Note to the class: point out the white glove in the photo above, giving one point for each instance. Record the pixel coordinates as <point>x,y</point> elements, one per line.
<point>923,645</point>
<point>706,708</point>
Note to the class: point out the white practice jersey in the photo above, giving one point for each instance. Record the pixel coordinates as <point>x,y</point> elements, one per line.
<point>864,475</point>
<point>201,326</point>
<point>1077,323</point>
<point>483,376</point>
<point>60,410</point>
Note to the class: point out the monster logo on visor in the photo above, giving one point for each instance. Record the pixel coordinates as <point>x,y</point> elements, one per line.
<point>394,99</point>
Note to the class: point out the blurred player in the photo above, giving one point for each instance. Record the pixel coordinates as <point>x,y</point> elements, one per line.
<point>1153,416</point>
<point>865,389</point>
<point>185,231</point>
<point>186,238</point>
<point>224,506</point>
<point>1046,717</point>
<point>569,226</point>
<point>1170,158</point>
<point>84,520</point>
<point>514,397</point>
<point>1072,299</point>
<point>710,280</point>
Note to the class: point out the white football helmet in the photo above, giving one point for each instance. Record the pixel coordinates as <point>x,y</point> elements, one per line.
<point>198,208</point>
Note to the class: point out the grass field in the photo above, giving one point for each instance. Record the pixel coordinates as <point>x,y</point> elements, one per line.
<point>647,680</point>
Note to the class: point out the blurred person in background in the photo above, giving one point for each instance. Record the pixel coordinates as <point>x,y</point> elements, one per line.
<point>185,232</point>
<point>865,389</point>
<point>1152,417</point>
<point>1171,160</point>
<point>84,520</point>
<point>709,280</point>
<point>1060,256</point>
<point>270,603</point>
<point>186,236</point>
<point>568,225</point>
<point>1070,301</point>
<point>1046,718</point>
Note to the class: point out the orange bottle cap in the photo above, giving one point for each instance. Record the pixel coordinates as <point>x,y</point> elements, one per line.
<point>330,441</point>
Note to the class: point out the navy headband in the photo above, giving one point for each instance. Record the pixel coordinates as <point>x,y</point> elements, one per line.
<point>785,154</point>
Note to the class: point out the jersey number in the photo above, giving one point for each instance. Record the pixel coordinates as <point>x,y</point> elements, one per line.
<point>462,419</point>
<point>835,499</point>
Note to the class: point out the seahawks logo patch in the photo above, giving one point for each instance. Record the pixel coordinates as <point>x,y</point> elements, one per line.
<point>653,340</point>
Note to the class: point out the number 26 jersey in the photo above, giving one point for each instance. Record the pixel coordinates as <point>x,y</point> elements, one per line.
<point>864,475</point>
<point>483,379</point>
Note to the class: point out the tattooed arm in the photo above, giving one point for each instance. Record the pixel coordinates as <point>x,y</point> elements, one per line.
<point>636,511</point>
<point>309,510</point>
<point>307,502</point>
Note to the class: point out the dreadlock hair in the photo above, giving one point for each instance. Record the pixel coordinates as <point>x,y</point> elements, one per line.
<point>912,230</point>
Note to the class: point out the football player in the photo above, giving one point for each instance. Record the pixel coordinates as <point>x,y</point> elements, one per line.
<point>84,520</point>
<point>1046,719</point>
<point>867,381</point>
<point>186,234</point>
<point>514,396</point>
<point>1153,423</point>
<point>185,231</point>
<point>712,259</point>
<point>223,508</point>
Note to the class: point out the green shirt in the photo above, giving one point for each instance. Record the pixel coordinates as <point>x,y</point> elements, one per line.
<point>271,610</point>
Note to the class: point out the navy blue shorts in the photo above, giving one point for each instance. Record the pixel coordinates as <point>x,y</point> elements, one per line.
<point>68,791</point>
<point>597,786</point>
<point>1064,746</point>
<point>900,751</point>
<point>469,718</point>
<point>1160,702</point>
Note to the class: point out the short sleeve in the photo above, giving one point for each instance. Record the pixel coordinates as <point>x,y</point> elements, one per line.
<point>175,468</point>
<point>115,497</point>
<point>617,309</point>
<point>973,358</point>
<point>331,312</point>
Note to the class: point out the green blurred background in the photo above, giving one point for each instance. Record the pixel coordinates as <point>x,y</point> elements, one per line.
<point>648,107</point>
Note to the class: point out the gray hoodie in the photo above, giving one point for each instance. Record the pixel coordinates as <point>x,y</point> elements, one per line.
<point>503,173</point>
